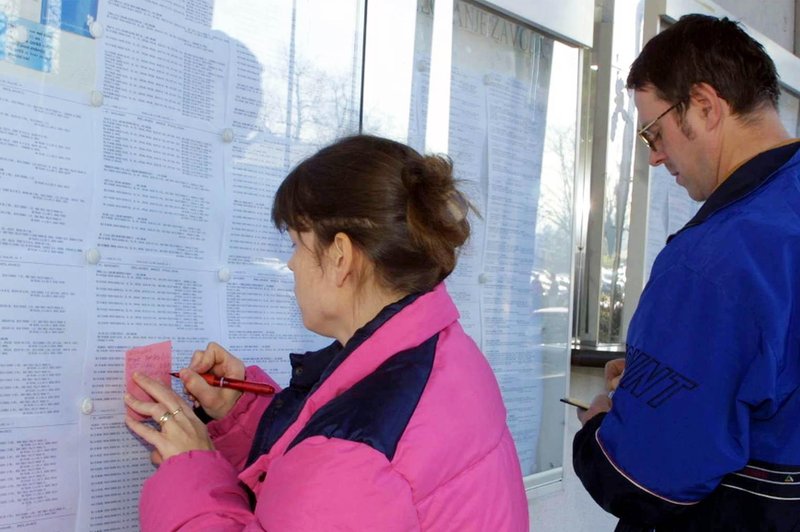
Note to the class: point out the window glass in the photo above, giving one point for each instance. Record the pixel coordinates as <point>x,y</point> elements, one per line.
<point>512,137</point>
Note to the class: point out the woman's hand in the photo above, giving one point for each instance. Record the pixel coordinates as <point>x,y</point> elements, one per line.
<point>181,430</point>
<point>217,402</point>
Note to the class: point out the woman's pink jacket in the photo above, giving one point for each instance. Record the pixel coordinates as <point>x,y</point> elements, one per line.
<point>455,466</point>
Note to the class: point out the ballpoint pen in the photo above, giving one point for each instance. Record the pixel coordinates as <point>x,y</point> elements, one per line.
<point>235,384</point>
<point>575,403</point>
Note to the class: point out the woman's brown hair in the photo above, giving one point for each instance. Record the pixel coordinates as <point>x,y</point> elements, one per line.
<point>402,209</point>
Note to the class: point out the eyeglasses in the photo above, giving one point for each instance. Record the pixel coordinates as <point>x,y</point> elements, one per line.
<point>648,138</point>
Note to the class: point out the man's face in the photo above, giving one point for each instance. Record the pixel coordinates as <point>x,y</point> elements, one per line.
<point>677,144</point>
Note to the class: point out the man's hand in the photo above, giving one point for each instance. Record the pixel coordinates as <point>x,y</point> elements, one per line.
<point>613,372</point>
<point>601,403</point>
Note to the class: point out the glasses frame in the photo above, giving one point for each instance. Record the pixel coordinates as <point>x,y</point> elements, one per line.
<point>642,133</point>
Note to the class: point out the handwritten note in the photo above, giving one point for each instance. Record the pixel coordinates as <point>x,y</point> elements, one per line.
<point>153,360</point>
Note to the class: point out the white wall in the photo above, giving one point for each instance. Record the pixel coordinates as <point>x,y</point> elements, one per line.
<point>773,18</point>
<point>571,509</point>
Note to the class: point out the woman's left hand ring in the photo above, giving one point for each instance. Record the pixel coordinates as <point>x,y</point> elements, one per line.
<point>165,417</point>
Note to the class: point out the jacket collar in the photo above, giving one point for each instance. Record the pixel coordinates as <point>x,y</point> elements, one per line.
<point>399,326</point>
<point>744,180</point>
<point>396,331</point>
<point>312,367</point>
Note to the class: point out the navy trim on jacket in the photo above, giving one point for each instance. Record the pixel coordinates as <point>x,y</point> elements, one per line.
<point>619,495</point>
<point>744,180</point>
<point>376,410</point>
<point>309,371</point>
<point>730,507</point>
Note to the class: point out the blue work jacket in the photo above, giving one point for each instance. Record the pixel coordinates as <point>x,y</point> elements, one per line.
<point>704,432</point>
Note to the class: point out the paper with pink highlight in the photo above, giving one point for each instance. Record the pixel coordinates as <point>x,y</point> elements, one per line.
<point>153,360</point>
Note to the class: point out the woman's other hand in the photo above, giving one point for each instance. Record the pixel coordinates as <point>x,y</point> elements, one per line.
<point>181,430</point>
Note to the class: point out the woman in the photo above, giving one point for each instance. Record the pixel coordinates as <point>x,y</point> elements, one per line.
<point>398,424</point>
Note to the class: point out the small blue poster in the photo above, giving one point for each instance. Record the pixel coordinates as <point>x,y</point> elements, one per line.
<point>70,15</point>
<point>27,43</point>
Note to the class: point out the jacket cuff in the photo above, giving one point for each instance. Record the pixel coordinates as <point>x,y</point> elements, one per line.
<point>233,434</point>
<point>614,491</point>
<point>245,407</point>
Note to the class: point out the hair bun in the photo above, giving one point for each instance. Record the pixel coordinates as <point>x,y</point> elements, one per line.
<point>457,206</point>
<point>436,212</point>
<point>433,193</point>
<point>412,174</point>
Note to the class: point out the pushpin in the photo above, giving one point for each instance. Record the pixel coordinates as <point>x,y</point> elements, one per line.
<point>96,98</point>
<point>87,406</point>
<point>92,256</point>
<point>95,28</point>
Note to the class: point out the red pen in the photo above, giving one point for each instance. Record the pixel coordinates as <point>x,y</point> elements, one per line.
<point>235,384</point>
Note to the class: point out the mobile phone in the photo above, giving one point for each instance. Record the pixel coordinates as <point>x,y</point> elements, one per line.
<point>574,402</point>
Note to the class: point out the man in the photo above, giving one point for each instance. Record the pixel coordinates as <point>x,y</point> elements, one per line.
<point>704,433</point>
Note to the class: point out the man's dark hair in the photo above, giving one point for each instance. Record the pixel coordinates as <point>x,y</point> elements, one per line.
<point>698,49</point>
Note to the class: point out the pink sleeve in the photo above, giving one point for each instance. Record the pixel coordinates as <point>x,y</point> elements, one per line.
<point>331,484</point>
<point>198,490</point>
<point>233,434</point>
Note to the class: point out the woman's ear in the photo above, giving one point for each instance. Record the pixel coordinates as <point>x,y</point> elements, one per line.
<point>343,257</point>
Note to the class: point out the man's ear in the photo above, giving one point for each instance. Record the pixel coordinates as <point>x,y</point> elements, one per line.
<point>342,253</point>
<point>711,107</point>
